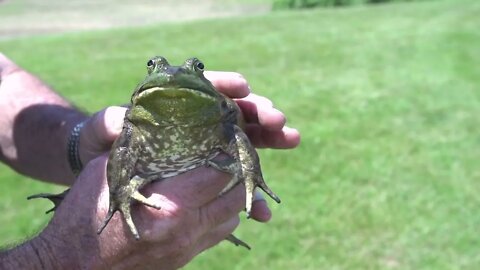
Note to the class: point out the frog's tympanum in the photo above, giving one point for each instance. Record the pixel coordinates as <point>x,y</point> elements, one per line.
<point>177,122</point>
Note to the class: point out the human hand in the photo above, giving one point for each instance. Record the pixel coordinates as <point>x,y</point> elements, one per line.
<point>192,219</point>
<point>265,124</point>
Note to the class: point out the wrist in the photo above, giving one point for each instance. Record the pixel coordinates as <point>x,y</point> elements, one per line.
<point>64,247</point>
<point>33,254</point>
<point>71,125</point>
<point>73,149</point>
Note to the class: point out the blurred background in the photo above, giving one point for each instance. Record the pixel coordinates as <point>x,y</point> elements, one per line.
<point>385,93</point>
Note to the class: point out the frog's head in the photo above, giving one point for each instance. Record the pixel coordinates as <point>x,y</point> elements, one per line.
<point>164,77</point>
<point>179,92</point>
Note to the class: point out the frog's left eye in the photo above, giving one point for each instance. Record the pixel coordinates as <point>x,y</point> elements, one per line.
<point>150,63</point>
<point>199,66</point>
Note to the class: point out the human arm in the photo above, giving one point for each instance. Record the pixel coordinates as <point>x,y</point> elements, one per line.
<point>191,220</point>
<point>35,125</point>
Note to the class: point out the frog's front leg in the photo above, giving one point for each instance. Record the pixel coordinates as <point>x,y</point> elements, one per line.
<point>123,185</point>
<point>228,165</point>
<point>124,190</point>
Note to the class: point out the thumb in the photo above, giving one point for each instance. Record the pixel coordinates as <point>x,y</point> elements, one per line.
<point>100,131</point>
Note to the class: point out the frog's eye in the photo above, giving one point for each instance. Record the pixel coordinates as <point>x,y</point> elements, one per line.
<point>199,66</point>
<point>150,63</point>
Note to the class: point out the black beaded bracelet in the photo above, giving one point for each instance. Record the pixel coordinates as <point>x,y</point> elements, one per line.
<point>73,144</point>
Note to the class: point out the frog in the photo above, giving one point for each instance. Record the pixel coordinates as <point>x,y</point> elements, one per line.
<point>178,121</point>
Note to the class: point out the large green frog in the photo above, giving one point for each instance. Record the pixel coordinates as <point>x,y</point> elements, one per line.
<point>176,122</point>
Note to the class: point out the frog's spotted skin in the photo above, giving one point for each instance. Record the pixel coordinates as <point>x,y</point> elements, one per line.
<point>177,122</point>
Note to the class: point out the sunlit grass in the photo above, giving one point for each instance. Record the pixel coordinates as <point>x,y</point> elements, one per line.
<point>387,99</point>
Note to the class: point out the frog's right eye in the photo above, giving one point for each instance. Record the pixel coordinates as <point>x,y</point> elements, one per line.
<point>150,63</point>
<point>199,65</point>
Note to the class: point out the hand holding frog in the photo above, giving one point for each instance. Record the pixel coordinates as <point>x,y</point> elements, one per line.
<point>265,125</point>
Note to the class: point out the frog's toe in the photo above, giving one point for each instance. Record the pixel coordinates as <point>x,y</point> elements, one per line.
<point>250,184</point>
<point>128,219</point>
<point>237,242</point>
<point>148,202</point>
<point>56,199</point>
<point>267,190</point>
<point>109,216</point>
<point>233,183</point>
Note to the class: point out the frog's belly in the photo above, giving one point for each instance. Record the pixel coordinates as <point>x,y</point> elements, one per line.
<point>172,165</point>
<point>178,150</point>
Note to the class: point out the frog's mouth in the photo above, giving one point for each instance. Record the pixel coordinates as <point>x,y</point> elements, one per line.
<point>172,93</point>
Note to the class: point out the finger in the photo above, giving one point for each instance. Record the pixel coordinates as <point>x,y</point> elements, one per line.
<point>279,139</point>
<point>191,189</point>
<point>214,236</point>
<point>223,208</point>
<point>257,99</point>
<point>100,131</point>
<point>107,124</point>
<point>260,211</point>
<point>262,114</point>
<point>232,84</point>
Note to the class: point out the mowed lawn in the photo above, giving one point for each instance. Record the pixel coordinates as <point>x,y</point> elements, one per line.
<point>387,98</point>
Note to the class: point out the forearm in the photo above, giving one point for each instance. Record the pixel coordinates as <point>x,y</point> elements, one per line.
<point>35,124</point>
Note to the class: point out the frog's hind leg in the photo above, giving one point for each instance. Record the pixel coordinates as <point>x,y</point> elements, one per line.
<point>56,199</point>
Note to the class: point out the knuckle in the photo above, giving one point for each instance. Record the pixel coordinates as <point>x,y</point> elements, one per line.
<point>266,102</point>
<point>261,100</point>
<point>282,118</point>
<point>240,81</point>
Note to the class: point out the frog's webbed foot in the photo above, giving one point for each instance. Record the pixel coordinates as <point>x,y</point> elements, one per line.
<point>237,242</point>
<point>56,199</point>
<point>122,201</point>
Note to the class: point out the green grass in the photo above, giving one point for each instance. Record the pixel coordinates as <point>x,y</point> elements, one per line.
<point>387,99</point>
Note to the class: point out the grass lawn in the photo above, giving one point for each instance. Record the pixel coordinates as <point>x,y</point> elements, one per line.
<point>387,98</point>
